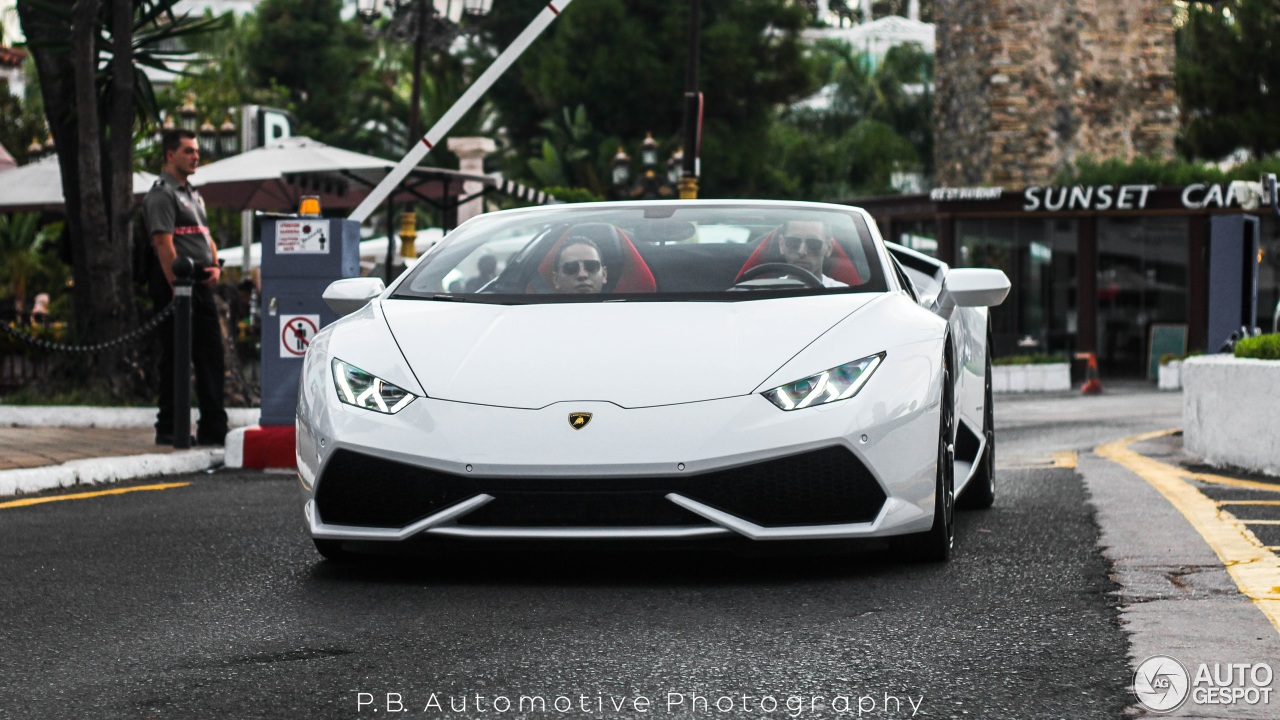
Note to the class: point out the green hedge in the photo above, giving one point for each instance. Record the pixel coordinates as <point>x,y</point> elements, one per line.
<point>1261,347</point>
<point>1142,170</point>
<point>1037,359</point>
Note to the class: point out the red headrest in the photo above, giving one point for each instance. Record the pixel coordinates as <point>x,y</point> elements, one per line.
<point>635,275</point>
<point>839,266</point>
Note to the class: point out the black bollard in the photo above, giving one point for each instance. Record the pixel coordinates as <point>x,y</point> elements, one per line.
<point>183,269</point>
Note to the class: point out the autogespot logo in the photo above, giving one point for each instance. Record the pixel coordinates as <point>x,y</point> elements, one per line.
<point>1161,683</point>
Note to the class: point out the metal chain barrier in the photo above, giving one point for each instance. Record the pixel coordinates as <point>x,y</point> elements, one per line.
<point>128,337</point>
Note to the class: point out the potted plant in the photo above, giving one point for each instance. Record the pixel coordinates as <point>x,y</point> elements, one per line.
<point>1030,373</point>
<point>1170,373</point>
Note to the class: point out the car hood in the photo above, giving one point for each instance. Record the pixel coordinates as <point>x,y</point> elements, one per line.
<point>634,354</point>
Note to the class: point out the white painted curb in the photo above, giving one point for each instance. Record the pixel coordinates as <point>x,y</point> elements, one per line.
<point>97,471</point>
<point>234,446</point>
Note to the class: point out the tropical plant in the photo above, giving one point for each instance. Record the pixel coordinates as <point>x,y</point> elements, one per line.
<point>19,255</point>
<point>305,48</point>
<point>1091,171</point>
<point>1227,70</point>
<point>26,257</point>
<point>567,159</point>
<point>623,61</point>
<point>870,122</point>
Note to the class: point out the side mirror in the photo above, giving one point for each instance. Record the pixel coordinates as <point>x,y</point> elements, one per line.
<point>971,287</point>
<point>347,296</point>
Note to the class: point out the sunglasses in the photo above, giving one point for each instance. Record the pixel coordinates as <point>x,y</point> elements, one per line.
<point>814,245</point>
<point>571,267</point>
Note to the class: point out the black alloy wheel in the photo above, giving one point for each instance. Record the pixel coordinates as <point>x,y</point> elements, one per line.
<point>935,544</point>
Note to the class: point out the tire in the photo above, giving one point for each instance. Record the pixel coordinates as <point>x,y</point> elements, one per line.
<point>980,493</point>
<point>935,544</point>
<point>332,551</point>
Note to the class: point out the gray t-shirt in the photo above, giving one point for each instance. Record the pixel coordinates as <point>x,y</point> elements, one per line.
<point>179,210</point>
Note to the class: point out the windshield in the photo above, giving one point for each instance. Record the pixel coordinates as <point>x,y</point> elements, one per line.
<point>651,251</point>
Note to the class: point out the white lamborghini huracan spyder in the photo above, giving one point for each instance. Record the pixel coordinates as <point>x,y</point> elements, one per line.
<point>653,370</point>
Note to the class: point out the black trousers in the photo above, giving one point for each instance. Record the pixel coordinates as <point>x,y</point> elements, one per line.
<point>206,357</point>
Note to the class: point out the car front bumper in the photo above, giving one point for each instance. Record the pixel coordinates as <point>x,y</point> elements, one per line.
<point>737,466</point>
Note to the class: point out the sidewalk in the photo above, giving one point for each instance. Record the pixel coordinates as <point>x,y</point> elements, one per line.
<point>42,448</point>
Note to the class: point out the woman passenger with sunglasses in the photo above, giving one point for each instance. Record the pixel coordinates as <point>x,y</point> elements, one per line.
<point>579,268</point>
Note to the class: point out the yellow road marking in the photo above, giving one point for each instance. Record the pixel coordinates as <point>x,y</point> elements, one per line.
<point>1065,459</point>
<point>1255,570</point>
<point>1260,522</point>
<point>1219,480</point>
<point>1249,502</point>
<point>85,495</point>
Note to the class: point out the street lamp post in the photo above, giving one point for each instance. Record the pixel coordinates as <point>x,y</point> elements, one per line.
<point>207,139</point>
<point>215,141</point>
<point>188,116</point>
<point>228,143</point>
<point>650,183</point>
<point>692,105</point>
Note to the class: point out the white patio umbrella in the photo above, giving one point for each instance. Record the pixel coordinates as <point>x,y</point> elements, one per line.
<point>38,186</point>
<point>277,175</point>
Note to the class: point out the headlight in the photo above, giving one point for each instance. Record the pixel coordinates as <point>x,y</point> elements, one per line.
<point>838,383</point>
<point>359,388</point>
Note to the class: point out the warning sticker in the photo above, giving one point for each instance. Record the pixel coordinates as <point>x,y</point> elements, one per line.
<point>296,333</point>
<point>297,237</point>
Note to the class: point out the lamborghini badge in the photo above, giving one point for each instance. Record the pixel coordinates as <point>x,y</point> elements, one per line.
<point>577,421</point>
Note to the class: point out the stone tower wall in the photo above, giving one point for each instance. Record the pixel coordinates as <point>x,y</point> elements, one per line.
<point>1026,87</point>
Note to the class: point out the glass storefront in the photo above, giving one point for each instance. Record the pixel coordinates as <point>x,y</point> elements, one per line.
<point>1039,256</point>
<point>1143,271</point>
<point>1142,281</point>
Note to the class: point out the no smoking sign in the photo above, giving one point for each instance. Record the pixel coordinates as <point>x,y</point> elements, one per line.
<point>296,333</point>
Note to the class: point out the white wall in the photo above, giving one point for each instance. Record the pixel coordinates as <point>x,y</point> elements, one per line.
<point>1231,411</point>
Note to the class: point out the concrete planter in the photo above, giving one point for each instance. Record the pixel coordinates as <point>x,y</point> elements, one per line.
<point>1231,411</point>
<point>1054,377</point>
<point>1170,377</point>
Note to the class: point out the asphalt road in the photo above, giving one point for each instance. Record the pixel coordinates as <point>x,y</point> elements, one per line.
<point>207,601</point>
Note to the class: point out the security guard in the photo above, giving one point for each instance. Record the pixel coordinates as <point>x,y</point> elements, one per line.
<point>176,222</point>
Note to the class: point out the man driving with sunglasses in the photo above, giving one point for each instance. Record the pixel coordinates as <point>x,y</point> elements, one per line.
<point>579,268</point>
<point>807,245</point>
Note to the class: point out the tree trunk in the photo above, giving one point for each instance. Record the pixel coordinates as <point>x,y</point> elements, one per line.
<point>45,30</point>
<point>102,297</point>
<point>120,160</point>
<point>93,242</point>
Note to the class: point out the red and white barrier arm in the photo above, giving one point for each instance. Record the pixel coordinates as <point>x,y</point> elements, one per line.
<point>460,108</point>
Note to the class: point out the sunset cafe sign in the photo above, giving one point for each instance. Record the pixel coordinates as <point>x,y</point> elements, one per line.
<point>1196,196</point>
